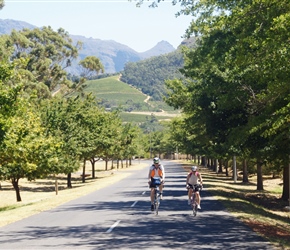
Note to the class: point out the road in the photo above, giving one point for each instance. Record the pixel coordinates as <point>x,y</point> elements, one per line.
<point>119,217</point>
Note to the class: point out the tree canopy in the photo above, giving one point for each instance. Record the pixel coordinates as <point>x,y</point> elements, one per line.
<point>237,80</point>
<point>149,75</point>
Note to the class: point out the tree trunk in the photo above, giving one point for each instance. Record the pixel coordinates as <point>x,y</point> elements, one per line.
<point>227,167</point>
<point>235,169</point>
<point>93,162</point>
<point>259,176</point>
<point>245,171</point>
<point>56,184</point>
<point>286,183</point>
<point>203,161</point>
<point>69,185</point>
<point>16,188</point>
<point>220,166</point>
<point>84,171</point>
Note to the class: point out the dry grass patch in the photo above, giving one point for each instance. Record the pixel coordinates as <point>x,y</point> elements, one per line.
<point>40,195</point>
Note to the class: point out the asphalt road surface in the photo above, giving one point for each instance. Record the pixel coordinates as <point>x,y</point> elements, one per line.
<point>119,217</point>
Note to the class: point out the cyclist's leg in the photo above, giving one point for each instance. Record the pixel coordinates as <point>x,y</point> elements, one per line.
<point>189,195</point>
<point>152,194</point>
<point>197,197</point>
<point>160,190</point>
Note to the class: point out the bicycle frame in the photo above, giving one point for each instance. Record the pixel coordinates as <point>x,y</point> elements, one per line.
<point>156,199</point>
<point>193,201</point>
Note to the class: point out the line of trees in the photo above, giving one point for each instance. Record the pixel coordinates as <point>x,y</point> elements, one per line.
<point>43,134</point>
<point>52,136</point>
<point>235,98</point>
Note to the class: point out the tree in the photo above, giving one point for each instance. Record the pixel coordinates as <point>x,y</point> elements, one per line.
<point>61,119</point>
<point>47,52</point>
<point>91,66</point>
<point>2,4</point>
<point>25,151</point>
<point>238,73</point>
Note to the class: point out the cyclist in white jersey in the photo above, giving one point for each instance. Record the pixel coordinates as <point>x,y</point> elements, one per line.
<point>192,179</point>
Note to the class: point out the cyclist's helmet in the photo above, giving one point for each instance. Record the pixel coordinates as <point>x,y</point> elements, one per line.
<point>194,168</point>
<point>156,160</point>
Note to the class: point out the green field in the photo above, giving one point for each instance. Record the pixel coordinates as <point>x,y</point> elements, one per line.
<point>113,94</point>
<point>112,89</point>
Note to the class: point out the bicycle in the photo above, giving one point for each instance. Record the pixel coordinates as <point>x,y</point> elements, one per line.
<point>157,183</point>
<point>156,199</point>
<point>193,202</point>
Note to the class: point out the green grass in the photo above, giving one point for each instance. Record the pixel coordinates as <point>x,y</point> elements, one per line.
<point>114,94</point>
<point>112,89</point>
<point>12,207</point>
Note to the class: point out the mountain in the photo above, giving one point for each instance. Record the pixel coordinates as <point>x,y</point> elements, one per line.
<point>112,54</point>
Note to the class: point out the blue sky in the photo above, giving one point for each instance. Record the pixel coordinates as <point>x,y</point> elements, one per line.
<point>119,20</point>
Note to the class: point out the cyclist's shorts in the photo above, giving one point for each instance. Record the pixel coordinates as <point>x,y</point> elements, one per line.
<point>196,187</point>
<point>155,182</point>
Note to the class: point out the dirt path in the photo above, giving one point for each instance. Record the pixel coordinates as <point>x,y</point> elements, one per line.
<point>163,113</point>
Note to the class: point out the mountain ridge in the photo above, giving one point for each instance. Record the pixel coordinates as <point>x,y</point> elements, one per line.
<point>112,54</point>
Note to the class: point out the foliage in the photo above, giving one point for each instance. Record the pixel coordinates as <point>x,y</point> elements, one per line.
<point>237,80</point>
<point>47,54</point>
<point>2,4</point>
<point>91,65</point>
<point>149,75</point>
<point>26,152</point>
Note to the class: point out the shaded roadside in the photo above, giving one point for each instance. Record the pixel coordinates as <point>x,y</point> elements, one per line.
<point>261,211</point>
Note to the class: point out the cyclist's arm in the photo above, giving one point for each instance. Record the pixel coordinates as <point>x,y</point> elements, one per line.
<point>187,179</point>
<point>200,179</point>
<point>163,173</point>
<point>149,175</point>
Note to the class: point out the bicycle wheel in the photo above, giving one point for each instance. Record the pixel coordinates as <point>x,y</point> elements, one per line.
<point>156,207</point>
<point>193,205</point>
<point>195,210</point>
<point>156,202</point>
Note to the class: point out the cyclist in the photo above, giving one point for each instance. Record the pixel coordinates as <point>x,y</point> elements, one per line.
<point>192,179</point>
<point>155,170</point>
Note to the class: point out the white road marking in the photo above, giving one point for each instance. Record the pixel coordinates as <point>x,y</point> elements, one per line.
<point>134,204</point>
<point>113,226</point>
<point>144,192</point>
